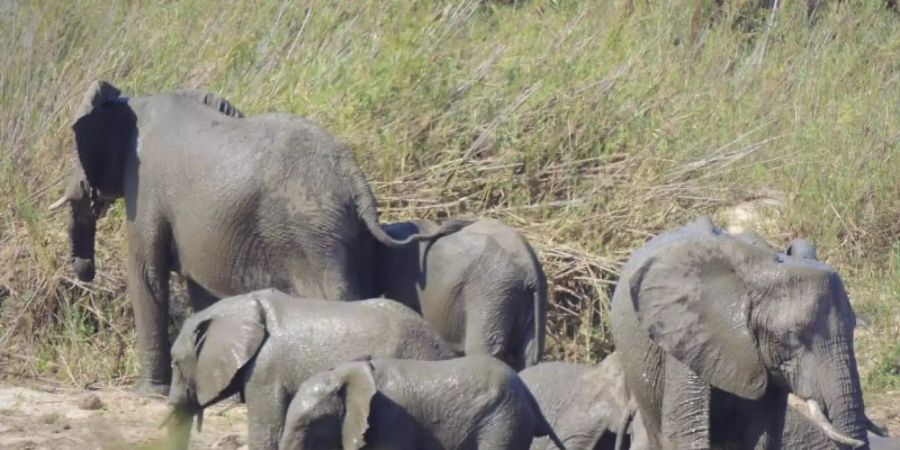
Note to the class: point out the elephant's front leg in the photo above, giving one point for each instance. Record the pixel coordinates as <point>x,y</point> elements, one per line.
<point>685,408</point>
<point>266,407</point>
<point>148,287</point>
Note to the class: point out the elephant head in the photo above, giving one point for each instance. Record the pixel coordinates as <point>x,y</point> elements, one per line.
<point>747,320</point>
<point>331,410</point>
<point>105,130</point>
<point>210,355</point>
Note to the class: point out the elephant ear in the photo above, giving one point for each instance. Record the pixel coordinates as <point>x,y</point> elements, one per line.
<point>802,248</point>
<point>100,136</point>
<point>225,343</point>
<point>357,390</point>
<point>694,305</point>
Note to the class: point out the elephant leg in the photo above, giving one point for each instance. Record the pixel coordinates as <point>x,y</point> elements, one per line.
<point>148,287</point>
<point>487,334</point>
<point>685,408</point>
<point>200,297</point>
<point>266,407</point>
<point>341,277</point>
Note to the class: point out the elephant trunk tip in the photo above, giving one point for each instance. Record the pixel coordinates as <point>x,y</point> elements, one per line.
<point>84,269</point>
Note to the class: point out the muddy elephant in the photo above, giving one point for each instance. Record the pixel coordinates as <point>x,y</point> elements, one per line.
<point>588,406</point>
<point>714,333</point>
<point>474,402</point>
<point>232,204</point>
<point>482,287</point>
<point>264,344</point>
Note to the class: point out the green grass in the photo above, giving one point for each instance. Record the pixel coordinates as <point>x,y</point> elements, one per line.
<point>589,127</point>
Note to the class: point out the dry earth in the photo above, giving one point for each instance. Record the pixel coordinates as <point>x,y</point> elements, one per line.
<point>40,416</point>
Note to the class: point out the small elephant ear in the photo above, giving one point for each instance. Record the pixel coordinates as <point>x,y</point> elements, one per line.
<point>358,388</point>
<point>802,248</point>
<point>695,306</point>
<point>225,344</point>
<point>94,133</point>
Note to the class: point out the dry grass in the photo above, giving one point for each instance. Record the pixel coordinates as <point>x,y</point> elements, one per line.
<point>590,128</point>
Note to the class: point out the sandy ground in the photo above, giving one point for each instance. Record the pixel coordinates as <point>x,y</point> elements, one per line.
<point>35,416</point>
<point>45,417</point>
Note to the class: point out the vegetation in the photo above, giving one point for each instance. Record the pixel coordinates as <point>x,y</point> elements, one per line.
<point>589,127</point>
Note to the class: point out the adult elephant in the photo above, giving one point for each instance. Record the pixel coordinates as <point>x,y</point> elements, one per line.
<point>714,331</point>
<point>482,287</point>
<point>232,204</point>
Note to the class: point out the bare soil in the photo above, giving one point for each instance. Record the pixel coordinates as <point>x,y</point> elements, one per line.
<point>41,416</point>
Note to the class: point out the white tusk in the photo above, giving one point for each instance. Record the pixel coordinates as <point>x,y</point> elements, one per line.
<point>57,204</point>
<point>819,418</point>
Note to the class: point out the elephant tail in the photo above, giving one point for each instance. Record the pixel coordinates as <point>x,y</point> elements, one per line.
<point>368,213</point>
<point>542,427</point>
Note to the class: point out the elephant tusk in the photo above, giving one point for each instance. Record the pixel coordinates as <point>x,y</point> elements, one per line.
<point>57,204</point>
<point>819,418</point>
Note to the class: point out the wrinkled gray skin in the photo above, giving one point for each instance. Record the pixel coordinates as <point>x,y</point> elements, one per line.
<point>474,402</point>
<point>800,433</point>
<point>264,344</point>
<point>714,333</point>
<point>587,406</point>
<point>482,287</point>
<point>231,204</point>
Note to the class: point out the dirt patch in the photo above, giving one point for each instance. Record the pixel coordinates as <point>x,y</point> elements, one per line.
<point>44,417</point>
<point>884,408</point>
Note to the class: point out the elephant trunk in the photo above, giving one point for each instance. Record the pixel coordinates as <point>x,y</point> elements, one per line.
<point>181,417</point>
<point>82,234</point>
<point>841,415</point>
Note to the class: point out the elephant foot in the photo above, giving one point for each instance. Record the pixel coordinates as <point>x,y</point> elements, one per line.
<point>148,388</point>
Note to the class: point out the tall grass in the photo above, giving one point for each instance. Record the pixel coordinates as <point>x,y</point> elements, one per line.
<point>589,126</point>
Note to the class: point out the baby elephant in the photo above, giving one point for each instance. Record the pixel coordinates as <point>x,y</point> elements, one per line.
<point>264,344</point>
<point>589,407</point>
<point>474,402</point>
<point>482,288</point>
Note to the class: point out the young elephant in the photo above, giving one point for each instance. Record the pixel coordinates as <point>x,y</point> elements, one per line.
<point>589,407</point>
<point>475,402</point>
<point>232,204</point>
<point>715,332</point>
<point>264,344</point>
<point>482,288</point>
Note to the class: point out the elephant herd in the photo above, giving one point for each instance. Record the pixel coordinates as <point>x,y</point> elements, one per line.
<point>339,332</point>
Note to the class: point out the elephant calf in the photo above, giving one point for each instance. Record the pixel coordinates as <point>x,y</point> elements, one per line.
<point>482,287</point>
<point>475,402</point>
<point>589,407</point>
<point>264,344</point>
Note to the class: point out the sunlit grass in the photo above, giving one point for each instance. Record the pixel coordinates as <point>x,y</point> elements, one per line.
<point>588,127</point>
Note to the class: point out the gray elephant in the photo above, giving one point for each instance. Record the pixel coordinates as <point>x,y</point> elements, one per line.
<point>715,332</point>
<point>264,344</point>
<point>474,402</point>
<point>589,407</point>
<point>482,287</point>
<point>232,204</point>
